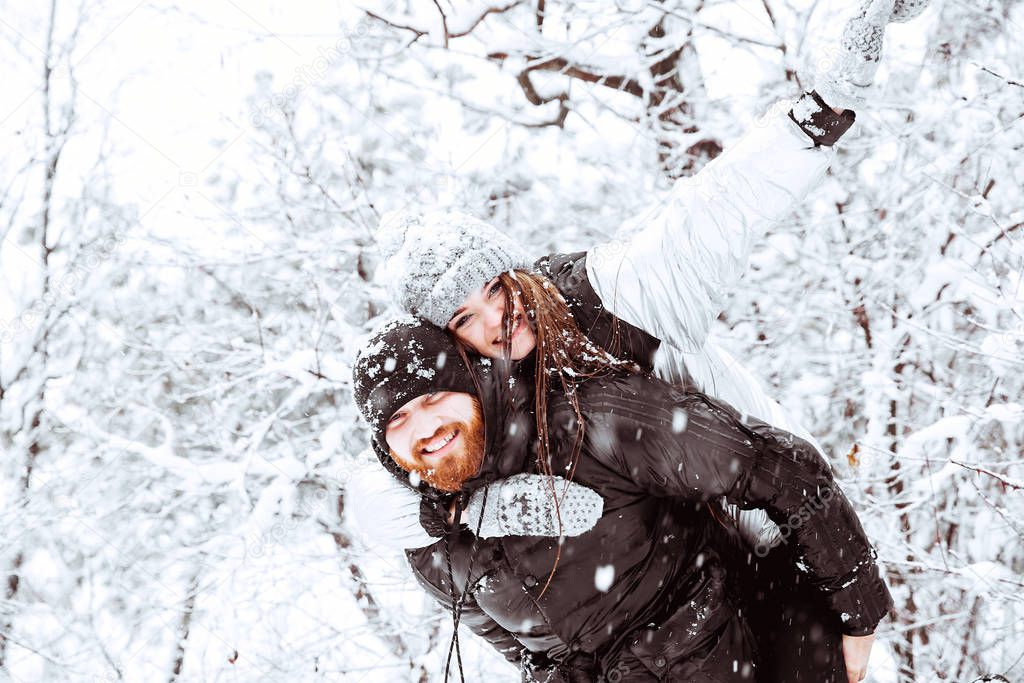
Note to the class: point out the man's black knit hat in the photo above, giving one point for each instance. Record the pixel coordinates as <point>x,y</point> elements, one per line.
<point>405,358</point>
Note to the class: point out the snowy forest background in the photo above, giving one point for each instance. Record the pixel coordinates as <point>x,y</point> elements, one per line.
<point>187,202</point>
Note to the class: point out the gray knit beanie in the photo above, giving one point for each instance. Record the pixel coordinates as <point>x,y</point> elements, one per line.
<point>434,260</point>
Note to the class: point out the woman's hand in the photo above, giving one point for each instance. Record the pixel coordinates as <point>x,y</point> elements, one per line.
<point>856,650</point>
<point>524,505</point>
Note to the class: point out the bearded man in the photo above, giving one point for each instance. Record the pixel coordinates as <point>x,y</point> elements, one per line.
<point>651,592</point>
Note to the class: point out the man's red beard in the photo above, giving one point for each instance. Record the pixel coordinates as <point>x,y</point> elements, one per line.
<point>456,467</point>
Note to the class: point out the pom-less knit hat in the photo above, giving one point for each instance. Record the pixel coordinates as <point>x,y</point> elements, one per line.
<point>434,260</point>
<point>408,357</point>
<point>403,359</point>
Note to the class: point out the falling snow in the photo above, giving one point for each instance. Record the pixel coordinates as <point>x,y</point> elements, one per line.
<point>604,576</point>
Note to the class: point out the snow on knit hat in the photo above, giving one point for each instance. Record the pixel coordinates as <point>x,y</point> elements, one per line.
<point>404,358</point>
<point>434,260</point>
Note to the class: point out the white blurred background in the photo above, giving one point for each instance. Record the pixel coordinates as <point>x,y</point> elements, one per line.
<point>188,193</point>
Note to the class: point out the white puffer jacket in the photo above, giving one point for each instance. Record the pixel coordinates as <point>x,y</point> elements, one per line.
<point>670,276</point>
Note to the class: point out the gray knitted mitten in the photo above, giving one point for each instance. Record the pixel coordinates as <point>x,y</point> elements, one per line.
<point>845,81</point>
<point>522,505</point>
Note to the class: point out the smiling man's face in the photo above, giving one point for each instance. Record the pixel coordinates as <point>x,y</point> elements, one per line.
<point>438,436</point>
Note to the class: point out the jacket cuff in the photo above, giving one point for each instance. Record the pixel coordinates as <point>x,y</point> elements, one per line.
<point>819,121</point>
<point>862,601</point>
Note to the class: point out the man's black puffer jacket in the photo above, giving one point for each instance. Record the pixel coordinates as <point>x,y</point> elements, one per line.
<point>651,560</point>
<point>569,274</point>
<point>648,561</point>
<point>683,444</point>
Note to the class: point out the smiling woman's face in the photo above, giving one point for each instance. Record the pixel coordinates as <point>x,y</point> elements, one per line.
<point>478,323</point>
<point>439,437</point>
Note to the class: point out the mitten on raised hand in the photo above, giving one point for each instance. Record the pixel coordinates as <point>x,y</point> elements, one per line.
<point>844,80</point>
<point>524,505</point>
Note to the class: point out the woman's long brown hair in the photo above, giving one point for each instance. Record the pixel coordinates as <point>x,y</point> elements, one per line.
<point>564,353</point>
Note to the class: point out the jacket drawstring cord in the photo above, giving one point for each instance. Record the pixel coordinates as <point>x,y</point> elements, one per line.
<point>457,608</point>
